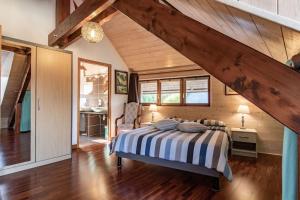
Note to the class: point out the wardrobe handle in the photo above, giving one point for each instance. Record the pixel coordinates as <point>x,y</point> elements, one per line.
<point>39,108</point>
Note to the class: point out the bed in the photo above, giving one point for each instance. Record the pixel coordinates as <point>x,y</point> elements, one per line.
<point>201,153</point>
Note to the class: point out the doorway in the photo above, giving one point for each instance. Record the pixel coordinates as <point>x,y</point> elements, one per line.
<point>94,102</point>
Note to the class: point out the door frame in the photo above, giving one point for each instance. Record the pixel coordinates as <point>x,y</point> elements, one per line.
<point>109,117</point>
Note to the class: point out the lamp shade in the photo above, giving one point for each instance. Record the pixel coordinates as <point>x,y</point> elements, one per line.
<point>244,109</point>
<point>153,108</point>
<point>92,32</point>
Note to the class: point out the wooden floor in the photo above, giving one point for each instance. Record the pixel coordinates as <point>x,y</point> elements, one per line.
<point>14,148</point>
<point>92,174</point>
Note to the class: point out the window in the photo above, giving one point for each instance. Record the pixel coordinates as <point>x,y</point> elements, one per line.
<point>170,91</point>
<point>176,91</point>
<point>197,90</point>
<point>148,92</point>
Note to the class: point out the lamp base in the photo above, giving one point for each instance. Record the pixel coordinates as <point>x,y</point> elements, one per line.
<point>152,118</point>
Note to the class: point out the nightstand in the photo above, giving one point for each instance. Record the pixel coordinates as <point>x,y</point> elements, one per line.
<point>143,124</point>
<point>244,142</point>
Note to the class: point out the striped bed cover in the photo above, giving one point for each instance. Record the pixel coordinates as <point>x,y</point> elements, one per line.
<point>207,149</point>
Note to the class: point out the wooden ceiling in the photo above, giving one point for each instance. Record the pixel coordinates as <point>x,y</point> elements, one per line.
<point>142,50</point>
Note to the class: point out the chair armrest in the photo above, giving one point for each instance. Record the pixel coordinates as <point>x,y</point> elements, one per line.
<point>116,124</point>
<point>137,121</point>
<point>117,119</point>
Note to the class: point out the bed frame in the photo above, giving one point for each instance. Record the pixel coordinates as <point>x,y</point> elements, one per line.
<point>174,165</point>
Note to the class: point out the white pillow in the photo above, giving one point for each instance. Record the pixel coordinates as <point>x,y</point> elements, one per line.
<point>166,124</point>
<point>191,127</point>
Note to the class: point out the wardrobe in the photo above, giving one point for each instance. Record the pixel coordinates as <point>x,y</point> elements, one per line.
<point>51,105</point>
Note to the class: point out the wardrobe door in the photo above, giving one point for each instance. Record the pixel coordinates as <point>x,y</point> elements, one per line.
<point>53,115</point>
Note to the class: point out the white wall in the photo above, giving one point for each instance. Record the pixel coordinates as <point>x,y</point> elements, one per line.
<point>102,52</point>
<point>30,20</point>
<point>33,20</point>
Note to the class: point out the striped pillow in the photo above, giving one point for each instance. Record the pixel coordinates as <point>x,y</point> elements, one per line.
<point>166,124</point>
<point>214,123</point>
<point>185,120</point>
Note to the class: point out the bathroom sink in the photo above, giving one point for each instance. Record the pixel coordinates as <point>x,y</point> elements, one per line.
<point>98,109</point>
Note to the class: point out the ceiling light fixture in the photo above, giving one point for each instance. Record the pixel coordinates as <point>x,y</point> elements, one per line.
<point>92,32</point>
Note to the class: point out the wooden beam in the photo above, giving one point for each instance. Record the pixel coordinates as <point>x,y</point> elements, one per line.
<point>63,9</point>
<point>17,118</point>
<point>102,18</point>
<point>16,49</point>
<point>21,92</point>
<point>87,11</point>
<point>262,80</point>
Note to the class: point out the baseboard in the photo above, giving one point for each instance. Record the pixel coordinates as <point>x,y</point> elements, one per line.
<point>74,146</point>
<point>32,165</point>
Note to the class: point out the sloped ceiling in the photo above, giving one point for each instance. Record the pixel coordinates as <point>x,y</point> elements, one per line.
<point>141,50</point>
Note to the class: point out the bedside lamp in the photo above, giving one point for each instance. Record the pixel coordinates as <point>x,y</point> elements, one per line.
<point>153,109</point>
<point>243,109</point>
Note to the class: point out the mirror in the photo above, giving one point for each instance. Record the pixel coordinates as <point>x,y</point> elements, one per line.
<point>15,134</point>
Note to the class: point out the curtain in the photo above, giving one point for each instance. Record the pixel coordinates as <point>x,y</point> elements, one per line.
<point>133,95</point>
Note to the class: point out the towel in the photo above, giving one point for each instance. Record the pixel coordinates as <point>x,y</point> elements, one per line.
<point>26,113</point>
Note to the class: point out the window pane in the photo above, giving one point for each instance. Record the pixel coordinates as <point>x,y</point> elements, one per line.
<point>170,91</point>
<point>197,91</point>
<point>149,92</point>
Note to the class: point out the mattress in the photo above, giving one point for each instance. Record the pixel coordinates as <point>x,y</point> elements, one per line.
<point>208,149</point>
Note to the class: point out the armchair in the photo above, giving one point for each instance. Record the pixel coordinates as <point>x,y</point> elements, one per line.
<point>130,117</point>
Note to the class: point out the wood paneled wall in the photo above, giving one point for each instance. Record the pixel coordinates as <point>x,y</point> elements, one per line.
<point>270,132</point>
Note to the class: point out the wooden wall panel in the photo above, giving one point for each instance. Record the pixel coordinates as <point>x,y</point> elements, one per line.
<point>270,132</point>
<point>292,41</point>
<point>250,30</point>
<point>273,39</point>
<point>289,9</point>
<point>269,5</point>
<point>53,118</point>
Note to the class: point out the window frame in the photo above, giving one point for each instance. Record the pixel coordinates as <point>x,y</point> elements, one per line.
<point>182,91</point>
<point>139,92</point>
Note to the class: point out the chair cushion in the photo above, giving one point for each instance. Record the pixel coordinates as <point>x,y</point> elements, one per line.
<point>131,112</point>
<point>192,127</point>
<point>125,127</point>
<point>166,124</point>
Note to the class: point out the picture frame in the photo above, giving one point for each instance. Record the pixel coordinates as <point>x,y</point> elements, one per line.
<point>229,91</point>
<point>121,82</point>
